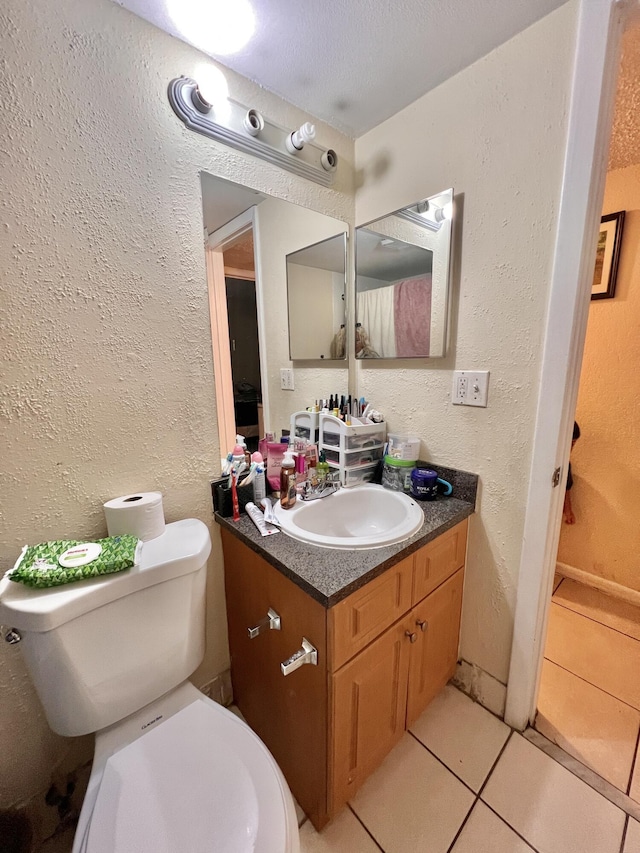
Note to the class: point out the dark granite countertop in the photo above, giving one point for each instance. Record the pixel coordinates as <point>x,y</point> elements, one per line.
<point>328,575</point>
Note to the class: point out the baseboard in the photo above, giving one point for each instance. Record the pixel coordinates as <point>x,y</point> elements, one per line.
<point>616,590</point>
<point>481,687</point>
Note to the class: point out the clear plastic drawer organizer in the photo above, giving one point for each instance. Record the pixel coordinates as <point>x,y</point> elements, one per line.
<point>353,450</point>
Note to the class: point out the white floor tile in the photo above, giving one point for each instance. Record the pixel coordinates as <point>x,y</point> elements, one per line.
<point>613,612</point>
<point>484,832</point>
<point>463,734</point>
<point>550,807</point>
<point>632,841</point>
<point>299,813</point>
<point>595,728</point>
<point>343,835</point>
<point>599,655</point>
<point>412,802</point>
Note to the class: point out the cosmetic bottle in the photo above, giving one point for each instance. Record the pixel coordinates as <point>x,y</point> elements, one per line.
<point>259,485</point>
<point>288,481</point>
<point>301,472</point>
<point>322,469</point>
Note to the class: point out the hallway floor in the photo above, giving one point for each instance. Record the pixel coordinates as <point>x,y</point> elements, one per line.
<point>462,782</point>
<point>589,700</point>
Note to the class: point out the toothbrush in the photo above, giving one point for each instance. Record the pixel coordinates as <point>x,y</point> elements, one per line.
<point>226,465</point>
<point>234,499</point>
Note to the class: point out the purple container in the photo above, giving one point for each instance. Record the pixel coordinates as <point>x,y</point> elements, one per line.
<point>424,484</point>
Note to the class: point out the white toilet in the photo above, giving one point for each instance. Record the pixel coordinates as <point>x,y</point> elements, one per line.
<point>173,771</point>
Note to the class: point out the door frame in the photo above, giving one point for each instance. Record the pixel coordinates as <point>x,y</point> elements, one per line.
<point>215,245</point>
<point>600,27</point>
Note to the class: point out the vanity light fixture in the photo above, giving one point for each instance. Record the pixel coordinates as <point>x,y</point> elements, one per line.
<point>247,130</point>
<point>427,214</point>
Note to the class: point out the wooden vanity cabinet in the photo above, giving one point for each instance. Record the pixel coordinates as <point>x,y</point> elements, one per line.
<point>384,652</point>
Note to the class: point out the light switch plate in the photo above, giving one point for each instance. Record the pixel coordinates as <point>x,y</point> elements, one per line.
<point>286,379</point>
<point>470,388</point>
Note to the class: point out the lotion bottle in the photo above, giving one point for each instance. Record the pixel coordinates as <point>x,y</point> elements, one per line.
<point>288,481</point>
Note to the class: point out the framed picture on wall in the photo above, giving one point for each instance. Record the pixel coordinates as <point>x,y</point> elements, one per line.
<point>607,256</point>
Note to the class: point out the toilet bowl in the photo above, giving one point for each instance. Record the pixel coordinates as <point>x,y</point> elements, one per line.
<point>197,779</point>
<point>173,771</point>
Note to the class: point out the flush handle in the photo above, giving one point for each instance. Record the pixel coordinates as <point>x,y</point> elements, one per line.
<point>307,654</point>
<point>422,624</point>
<point>271,622</point>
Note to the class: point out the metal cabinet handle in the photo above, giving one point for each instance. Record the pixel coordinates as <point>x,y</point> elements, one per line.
<point>271,622</point>
<point>411,635</point>
<point>422,624</point>
<point>307,654</point>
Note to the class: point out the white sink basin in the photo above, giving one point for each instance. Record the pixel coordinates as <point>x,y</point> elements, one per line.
<point>366,516</point>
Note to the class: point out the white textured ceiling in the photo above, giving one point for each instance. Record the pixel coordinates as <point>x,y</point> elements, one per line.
<point>354,63</point>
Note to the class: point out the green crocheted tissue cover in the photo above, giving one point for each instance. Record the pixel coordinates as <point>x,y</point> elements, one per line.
<point>39,565</point>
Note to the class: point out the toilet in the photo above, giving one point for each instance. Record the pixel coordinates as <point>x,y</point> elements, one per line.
<point>172,770</point>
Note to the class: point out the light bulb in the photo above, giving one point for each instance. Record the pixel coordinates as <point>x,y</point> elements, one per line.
<point>212,92</point>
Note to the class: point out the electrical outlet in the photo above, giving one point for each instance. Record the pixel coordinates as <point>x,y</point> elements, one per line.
<point>460,383</point>
<point>286,379</point>
<point>470,388</point>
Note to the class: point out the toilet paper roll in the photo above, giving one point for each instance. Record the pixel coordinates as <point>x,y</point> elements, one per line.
<point>140,514</point>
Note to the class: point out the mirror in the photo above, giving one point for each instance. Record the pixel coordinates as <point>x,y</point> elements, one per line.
<point>316,283</point>
<point>402,281</point>
<point>248,236</point>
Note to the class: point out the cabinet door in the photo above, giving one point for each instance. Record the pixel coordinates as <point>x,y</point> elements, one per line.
<point>289,713</point>
<point>367,711</point>
<point>434,655</point>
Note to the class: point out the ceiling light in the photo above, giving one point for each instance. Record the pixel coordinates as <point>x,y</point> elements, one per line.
<point>220,27</point>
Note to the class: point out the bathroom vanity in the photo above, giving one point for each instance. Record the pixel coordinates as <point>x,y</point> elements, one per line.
<point>385,623</point>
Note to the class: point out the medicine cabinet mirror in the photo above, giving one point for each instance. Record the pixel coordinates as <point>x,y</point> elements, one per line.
<point>402,281</point>
<point>316,300</point>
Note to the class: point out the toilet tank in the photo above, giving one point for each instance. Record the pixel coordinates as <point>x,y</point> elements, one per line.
<point>100,649</point>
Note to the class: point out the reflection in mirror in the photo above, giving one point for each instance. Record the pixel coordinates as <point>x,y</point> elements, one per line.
<point>248,237</point>
<point>316,277</point>
<point>402,281</point>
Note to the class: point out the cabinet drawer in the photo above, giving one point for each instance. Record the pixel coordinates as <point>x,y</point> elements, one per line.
<point>439,560</point>
<point>366,613</point>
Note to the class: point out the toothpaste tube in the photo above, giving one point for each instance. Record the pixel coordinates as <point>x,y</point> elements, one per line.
<point>257,517</point>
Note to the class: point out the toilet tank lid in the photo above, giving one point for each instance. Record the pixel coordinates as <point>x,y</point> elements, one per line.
<point>183,548</point>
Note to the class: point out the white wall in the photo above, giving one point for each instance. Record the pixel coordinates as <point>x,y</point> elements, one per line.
<point>496,133</point>
<point>281,229</point>
<point>105,328</point>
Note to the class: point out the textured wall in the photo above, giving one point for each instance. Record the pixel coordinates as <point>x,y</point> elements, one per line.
<point>496,133</point>
<point>107,381</point>
<point>605,539</point>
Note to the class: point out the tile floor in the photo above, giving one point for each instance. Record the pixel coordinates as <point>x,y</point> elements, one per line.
<point>589,701</point>
<point>462,782</point>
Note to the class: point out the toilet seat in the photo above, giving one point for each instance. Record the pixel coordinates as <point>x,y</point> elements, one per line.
<point>200,781</point>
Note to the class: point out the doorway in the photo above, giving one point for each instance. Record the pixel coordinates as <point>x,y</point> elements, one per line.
<point>589,696</point>
<point>244,344</point>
